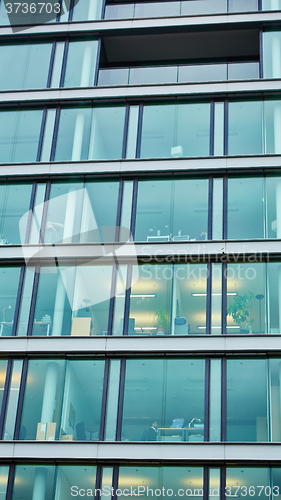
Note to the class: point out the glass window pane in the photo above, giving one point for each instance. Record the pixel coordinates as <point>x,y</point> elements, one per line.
<point>24,66</point>
<point>25,301</point>
<point>3,369</point>
<point>19,135</point>
<point>274,296</point>
<point>33,481</point>
<point>276,481</point>
<point>150,301</point>
<point>246,400</point>
<point>89,10</point>
<point>203,72</point>
<point>243,71</point>
<point>157,131</point>
<point>195,7</point>
<point>74,134</point>
<point>107,133</point>
<point>273,207</point>
<point>153,9</point>
<point>189,299</point>
<point>12,403</point>
<point>246,298</point>
<point>4,474</point>
<point>245,128</point>
<point>81,412</point>
<point>248,476</point>
<point>42,400</point>
<point>164,400</point>
<point>112,400</point>
<point>57,65</point>
<point>274,397</point>
<point>272,54</point>
<point>215,401</point>
<point>14,207</point>
<point>81,64</point>
<point>9,279</point>
<point>241,6</point>
<point>164,74</point>
<point>190,210</point>
<point>113,76</point>
<point>71,479</point>
<point>245,208</point>
<point>132,132</point>
<point>119,11</point>
<point>272,116</point>
<point>217,216</point>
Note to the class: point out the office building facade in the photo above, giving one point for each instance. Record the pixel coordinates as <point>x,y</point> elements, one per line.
<point>140,258</point>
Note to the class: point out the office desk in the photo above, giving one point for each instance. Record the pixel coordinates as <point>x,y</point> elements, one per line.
<point>40,328</point>
<point>178,433</point>
<point>6,328</point>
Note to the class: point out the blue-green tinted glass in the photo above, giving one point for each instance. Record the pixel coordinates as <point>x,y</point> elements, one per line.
<point>272,126</point>
<point>9,279</point>
<point>81,412</point>
<point>4,474</point>
<point>33,481</point>
<point>81,64</point>
<point>276,482</point>
<point>193,7</point>
<point>107,133</point>
<point>271,54</point>
<point>74,478</point>
<point>245,128</point>
<point>274,297</point>
<point>19,135</point>
<point>248,482</point>
<point>74,134</point>
<point>245,208</point>
<point>3,368</point>
<point>162,479</point>
<point>87,10</point>
<point>246,400</point>
<point>246,304</point>
<point>175,130</point>
<point>164,400</point>
<point>42,400</point>
<point>241,6</point>
<point>14,204</point>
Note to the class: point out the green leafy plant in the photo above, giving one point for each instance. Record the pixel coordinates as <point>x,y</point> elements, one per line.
<point>161,319</point>
<point>238,310</point>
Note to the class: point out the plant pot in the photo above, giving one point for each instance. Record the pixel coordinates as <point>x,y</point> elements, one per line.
<point>243,331</point>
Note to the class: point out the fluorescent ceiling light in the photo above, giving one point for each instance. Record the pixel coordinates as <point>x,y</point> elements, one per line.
<point>140,295</point>
<point>214,294</point>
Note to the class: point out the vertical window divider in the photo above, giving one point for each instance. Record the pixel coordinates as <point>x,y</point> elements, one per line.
<point>266,283</point>
<point>55,136</point>
<point>225,128</point>
<point>209,299</point>
<point>260,5</point>
<point>138,147</point>
<point>96,76</point>
<point>64,61</point>
<point>103,9</point>
<point>115,481</point>
<point>72,5</point>
<point>134,207</point>
<point>59,13</point>
<point>120,399</point>
<point>55,480</point>
<point>41,135</point>
<point>10,484</point>
<point>223,400</point>
<point>210,208</point>
<point>268,409</point>
<point>112,297</point>
<point>98,481</point>
<point>125,136</point>
<point>44,214</point>
<point>104,398</point>
<point>264,208</point>
<point>5,395</point>
<point>224,209</point>
<point>127,299</point>
<point>261,50</point>
<point>223,482</point>
<point>30,213</point>
<point>51,67</point>
<point>21,398</point>
<point>212,127</point>
<point>224,297</point>
<point>207,400</point>
<point>33,300</point>
<point>18,301</point>
<point>205,483</point>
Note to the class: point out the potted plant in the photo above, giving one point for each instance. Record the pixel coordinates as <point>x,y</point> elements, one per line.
<point>161,321</point>
<point>238,310</point>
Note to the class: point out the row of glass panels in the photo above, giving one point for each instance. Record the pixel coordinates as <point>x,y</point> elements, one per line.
<point>162,400</point>
<point>67,481</point>
<point>167,209</point>
<point>39,65</point>
<point>167,130</point>
<point>164,299</point>
<point>91,10</point>
<point>186,8</point>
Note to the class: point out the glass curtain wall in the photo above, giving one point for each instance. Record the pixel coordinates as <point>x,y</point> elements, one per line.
<point>9,279</point>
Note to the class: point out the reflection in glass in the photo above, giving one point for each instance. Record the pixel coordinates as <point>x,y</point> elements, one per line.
<point>14,203</point>
<point>112,400</point>
<point>273,205</point>
<point>245,208</point>
<point>172,210</point>
<point>274,297</point>
<point>164,400</point>
<point>246,298</point>
<point>245,128</point>
<point>254,477</point>
<point>9,279</point>
<point>81,64</point>
<point>33,481</point>
<point>19,135</point>
<point>79,476</point>
<point>88,10</point>
<point>246,400</point>
<point>271,53</point>
<point>175,130</point>
<point>4,474</point>
<point>42,400</point>
<point>24,66</point>
<point>3,369</point>
<point>81,411</point>
<point>12,402</point>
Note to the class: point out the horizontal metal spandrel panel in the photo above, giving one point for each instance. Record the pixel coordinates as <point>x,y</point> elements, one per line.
<point>122,452</point>
<point>188,22</point>
<point>126,345</point>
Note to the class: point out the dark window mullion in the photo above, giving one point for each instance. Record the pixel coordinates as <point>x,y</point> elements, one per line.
<point>21,398</point>
<point>64,62</point>
<point>223,400</point>
<point>41,135</point>
<point>96,76</point>
<point>33,301</point>
<point>51,67</point>
<point>18,300</point>
<point>140,121</point>
<point>104,399</point>
<point>207,399</point>
<point>209,299</point>
<point>212,128</point>
<point>127,299</point>
<point>120,400</point>
<point>125,136</point>
<point>10,484</point>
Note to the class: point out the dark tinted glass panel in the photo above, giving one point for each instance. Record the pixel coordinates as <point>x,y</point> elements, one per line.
<point>164,400</point>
